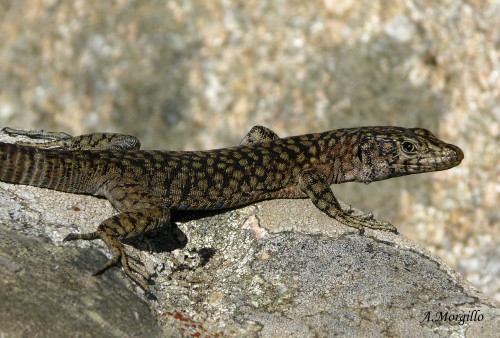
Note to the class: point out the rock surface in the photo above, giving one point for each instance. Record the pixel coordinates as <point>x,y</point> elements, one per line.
<point>47,290</point>
<point>277,268</point>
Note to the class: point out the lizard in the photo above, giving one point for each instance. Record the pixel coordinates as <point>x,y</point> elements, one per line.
<point>145,186</point>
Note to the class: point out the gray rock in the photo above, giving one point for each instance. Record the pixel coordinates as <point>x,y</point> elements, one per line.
<point>277,268</point>
<point>48,290</point>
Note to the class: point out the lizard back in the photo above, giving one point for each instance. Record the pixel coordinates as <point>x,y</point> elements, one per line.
<point>185,179</point>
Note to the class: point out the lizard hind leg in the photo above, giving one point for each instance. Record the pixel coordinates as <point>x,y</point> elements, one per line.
<point>119,255</point>
<point>258,134</point>
<point>63,141</point>
<point>121,226</point>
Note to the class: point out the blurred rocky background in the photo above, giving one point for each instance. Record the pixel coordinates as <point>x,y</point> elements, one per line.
<point>199,74</point>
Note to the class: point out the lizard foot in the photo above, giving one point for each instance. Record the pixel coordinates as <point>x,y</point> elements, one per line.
<point>378,225</point>
<point>365,221</point>
<point>350,210</point>
<point>119,254</point>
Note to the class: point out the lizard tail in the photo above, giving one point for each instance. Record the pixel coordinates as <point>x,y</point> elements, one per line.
<point>39,167</point>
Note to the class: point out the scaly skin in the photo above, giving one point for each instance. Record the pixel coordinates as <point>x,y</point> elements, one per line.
<point>144,186</point>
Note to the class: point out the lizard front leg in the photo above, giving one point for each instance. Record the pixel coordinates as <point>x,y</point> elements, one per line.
<point>314,184</point>
<point>63,141</point>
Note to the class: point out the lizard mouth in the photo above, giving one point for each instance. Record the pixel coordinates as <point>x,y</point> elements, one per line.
<point>450,157</point>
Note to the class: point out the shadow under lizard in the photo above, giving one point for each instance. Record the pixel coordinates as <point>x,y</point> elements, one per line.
<point>145,185</point>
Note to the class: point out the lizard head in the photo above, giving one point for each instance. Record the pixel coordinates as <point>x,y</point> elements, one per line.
<point>387,152</point>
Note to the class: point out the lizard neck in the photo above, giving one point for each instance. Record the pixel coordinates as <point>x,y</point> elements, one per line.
<point>343,162</point>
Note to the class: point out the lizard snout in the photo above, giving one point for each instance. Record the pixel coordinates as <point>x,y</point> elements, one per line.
<point>456,153</point>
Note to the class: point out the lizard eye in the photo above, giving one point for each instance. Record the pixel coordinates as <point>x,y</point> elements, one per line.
<point>408,147</point>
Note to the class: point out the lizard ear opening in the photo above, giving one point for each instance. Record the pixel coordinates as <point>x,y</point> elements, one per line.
<point>362,146</point>
<point>360,151</point>
<point>365,147</point>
